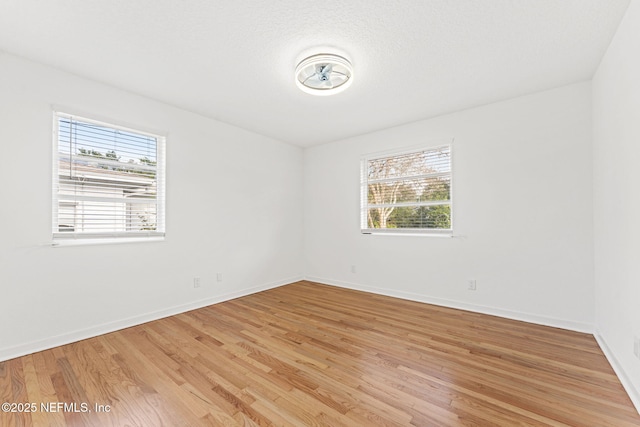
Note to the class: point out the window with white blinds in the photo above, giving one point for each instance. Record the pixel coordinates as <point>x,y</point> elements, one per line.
<point>108,181</point>
<point>407,192</point>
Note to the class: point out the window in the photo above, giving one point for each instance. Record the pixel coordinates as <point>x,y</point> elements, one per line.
<point>108,181</point>
<point>408,192</point>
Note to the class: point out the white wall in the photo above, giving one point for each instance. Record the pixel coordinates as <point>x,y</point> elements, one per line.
<point>522,190</point>
<point>234,206</point>
<point>616,130</point>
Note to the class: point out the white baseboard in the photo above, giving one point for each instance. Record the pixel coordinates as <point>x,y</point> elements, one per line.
<point>105,328</point>
<point>631,390</point>
<point>514,315</point>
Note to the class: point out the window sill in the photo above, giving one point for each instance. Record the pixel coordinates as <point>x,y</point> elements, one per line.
<point>445,234</point>
<point>106,241</point>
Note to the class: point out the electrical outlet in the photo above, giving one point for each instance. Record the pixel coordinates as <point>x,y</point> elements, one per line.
<point>636,347</point>
<point>196,282</point>
<point>471,284</point>
<point>219,277</point>
<point>353,268</point>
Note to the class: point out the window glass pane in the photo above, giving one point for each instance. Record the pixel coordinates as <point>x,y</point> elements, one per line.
<point>407,190</point>
<point>106,182</point>
<point>428,217</point>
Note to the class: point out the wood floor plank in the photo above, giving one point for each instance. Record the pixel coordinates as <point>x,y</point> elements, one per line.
<point>174,408</point>
<point>308,354</point>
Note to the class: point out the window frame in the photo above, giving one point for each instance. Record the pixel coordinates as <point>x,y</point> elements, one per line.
<point>65,238</point>
<point>364,186</point>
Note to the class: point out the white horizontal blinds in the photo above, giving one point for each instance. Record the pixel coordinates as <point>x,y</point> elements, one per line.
<point>109,181</point>
<point>408,191</point>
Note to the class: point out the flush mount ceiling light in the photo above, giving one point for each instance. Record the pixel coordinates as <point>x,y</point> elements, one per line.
<point>324,74</point>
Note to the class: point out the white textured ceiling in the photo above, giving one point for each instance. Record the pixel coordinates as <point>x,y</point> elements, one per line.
<point>234,60</point>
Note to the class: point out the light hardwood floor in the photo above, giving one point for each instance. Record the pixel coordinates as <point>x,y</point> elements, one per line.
<point>307,354</point>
